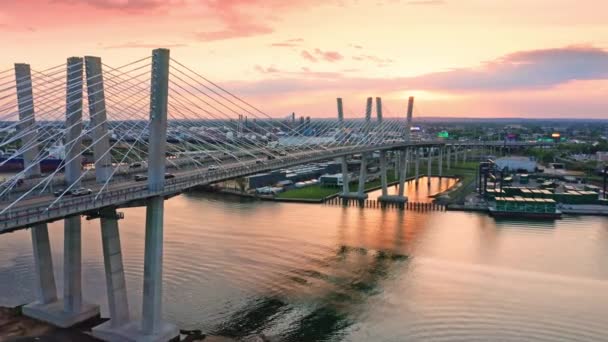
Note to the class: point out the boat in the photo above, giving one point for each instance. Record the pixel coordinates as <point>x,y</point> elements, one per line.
<point>524,208</point>
<point>525,214</point>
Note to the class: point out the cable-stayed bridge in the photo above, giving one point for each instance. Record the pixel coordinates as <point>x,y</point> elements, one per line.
<point>86,138</point>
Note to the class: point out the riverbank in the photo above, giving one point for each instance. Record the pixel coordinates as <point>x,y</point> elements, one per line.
<point>15,327</point>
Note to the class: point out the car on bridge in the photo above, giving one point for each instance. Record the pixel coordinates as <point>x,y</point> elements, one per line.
<point>139,178</point>
<point>213,168</point>
<point>81,192</point>
<point>169,175</point>
<point>73,192</point>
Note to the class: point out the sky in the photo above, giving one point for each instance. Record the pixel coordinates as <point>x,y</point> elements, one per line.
<point>459,58</point>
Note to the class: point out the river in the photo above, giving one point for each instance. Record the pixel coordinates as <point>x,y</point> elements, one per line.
<point>306,272</point>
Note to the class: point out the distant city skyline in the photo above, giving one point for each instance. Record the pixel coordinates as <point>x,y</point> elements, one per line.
<point>460,58</point>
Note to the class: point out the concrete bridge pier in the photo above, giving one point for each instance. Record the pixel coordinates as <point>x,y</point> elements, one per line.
<point>464,155</point>
<point>43,266</point>
<point>118,301</point>
<point>399,199</point>
<point>383,173</point>
<point>417,165</point>
<point>345,178</point>
<point>429,160</point>
<point>361,195</point>
<point>448,158</point>
<point>440,162</point>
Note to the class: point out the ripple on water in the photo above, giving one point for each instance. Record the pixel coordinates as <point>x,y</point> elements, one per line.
<point>446,301</point>
<point>327,273</point>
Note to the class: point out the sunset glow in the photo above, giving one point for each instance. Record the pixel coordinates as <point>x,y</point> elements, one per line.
<point>460,58</point>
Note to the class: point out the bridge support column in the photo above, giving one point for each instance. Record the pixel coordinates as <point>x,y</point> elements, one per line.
<point>440,162</point>
<point>362,175</point>
<point>383,171</point>
<point>43,265</point>
<point>464,155</point>
<point>404,156</point>
<point>152,323</point>
<point>115,279</point>
<point>25,102</point>
<point>448,158</point>
<point>345,178</point>
<point>399,199</point>
<point>417,164</point>
<point>429,160</point>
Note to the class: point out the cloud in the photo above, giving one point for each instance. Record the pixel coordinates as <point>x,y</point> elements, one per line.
<point>126,5</point>
<point>247,18</point>
<point>520,71</point>
<point>234,30</point>
<point>308,56</point>
<point>380,62</point>
<point>523,70</point>
<point>426,2</point>
<point>268,70</point>
<point>288,43</point>
<point>140,45</point>
<point>329,56</point>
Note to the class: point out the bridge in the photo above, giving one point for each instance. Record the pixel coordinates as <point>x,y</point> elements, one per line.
<point>145,118</point>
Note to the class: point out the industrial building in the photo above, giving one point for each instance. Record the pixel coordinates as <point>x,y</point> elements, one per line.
<point>292,175</point>
<point>516,164</point>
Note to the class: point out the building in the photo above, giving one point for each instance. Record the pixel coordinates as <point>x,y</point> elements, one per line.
<point>516,164</point>
<point>602,156</point>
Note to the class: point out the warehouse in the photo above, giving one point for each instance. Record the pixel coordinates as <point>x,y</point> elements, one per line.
<point>517,164</point>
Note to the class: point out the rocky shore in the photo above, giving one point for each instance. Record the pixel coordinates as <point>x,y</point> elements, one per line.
<point>14,327</point>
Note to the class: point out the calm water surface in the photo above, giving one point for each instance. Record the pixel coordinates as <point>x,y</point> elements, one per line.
<point>328,273</point>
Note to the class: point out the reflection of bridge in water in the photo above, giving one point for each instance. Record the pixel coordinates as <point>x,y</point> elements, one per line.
<point>326,295</point>
<point>161,114</point>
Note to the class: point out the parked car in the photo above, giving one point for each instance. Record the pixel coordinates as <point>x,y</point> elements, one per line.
<point>139,178</point>
<point>169,175</point>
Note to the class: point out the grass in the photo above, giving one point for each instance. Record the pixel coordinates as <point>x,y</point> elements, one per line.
<point>464,171</point>
<point>318,192</point>
<point>310,192</point>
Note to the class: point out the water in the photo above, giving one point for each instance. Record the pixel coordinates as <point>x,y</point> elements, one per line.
<point>421,192</point>
<point>327,273</point>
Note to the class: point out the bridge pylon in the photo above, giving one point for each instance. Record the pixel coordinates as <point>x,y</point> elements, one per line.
<point>151,328</point>
<point>70,309</point>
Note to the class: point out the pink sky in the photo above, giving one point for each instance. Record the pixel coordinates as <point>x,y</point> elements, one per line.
<point>473,58</point>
